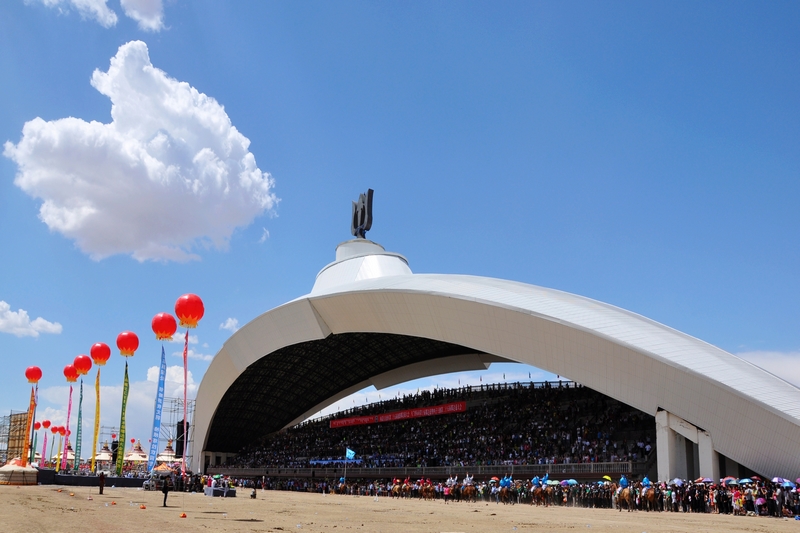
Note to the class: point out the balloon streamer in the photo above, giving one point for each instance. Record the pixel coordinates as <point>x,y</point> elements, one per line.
<point>27,444</point>
<point>96,416</point>
<point>151,461</point>
<point>79,433</point>
<point>185,372</point>
<point>33,423</point>
<point>121,446</point>
<point>66,440</point>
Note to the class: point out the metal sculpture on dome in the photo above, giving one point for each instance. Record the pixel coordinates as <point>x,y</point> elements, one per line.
<point>361,221</point>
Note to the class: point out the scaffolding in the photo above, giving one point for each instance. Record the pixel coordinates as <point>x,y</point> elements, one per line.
<point>13,430</point>
<point>172,425</point>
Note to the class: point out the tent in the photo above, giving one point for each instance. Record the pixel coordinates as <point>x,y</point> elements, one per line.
<point>14,474</point>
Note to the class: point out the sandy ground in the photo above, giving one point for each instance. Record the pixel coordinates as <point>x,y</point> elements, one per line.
<point>44,508</point>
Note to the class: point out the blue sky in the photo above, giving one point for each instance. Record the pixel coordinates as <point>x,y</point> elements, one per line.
<point>642,154</point>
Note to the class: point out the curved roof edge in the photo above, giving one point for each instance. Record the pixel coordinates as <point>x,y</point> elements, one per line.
<point>753,417</point>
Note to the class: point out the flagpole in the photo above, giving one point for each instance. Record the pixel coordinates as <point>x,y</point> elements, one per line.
<point>345,464</point>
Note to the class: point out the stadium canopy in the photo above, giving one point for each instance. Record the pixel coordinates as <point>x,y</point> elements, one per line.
<point>370,321</point>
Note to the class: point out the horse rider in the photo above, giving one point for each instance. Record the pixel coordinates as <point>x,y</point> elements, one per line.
<point>468,480</point>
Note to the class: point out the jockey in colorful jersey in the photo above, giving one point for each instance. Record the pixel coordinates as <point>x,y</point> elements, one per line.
<point>452,480</point>
<point>468,480</point>
<point>407,481</point>
<point>536,482</point>
<point>506,481</point>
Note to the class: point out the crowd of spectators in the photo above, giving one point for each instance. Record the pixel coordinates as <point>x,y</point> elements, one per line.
<point>504,424</point>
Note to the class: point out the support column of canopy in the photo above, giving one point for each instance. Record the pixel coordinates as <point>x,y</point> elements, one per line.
<point>672,432</point>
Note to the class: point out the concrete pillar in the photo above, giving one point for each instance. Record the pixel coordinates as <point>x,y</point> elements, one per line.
<point>665,447</point>
<point>709,458</point>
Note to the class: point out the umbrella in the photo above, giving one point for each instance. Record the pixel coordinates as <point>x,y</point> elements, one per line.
<point>761,501</point>
<point>572,482</point>
<point>564,483</point>
<point>492,480</point>
<point>708,480</point>
<point>495,478</point>
<point>607,478</point>
<point>745,480</point>
<point>552,482</point>
<point>777,479</point>
<point>788,484</point>
<point>677,481</point>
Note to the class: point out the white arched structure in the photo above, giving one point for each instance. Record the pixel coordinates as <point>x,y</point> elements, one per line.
<point>697,392</point>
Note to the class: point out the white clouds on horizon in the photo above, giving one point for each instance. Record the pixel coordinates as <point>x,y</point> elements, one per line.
<point>169,175</point>
<point>149,14</point>
<point>20,324</point>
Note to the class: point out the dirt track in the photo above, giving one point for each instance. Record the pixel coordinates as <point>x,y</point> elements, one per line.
<point>44,509</point>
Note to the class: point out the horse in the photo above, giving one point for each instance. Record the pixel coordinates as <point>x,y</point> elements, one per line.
<point>427,492</point>
<point>625,497</point>
<point>505,495</point>
<point>649,498</point>
<point>538,496</point>
<point>470,493</point>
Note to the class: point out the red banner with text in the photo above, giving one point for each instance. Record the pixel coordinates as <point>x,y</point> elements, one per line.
<point>419,412</point>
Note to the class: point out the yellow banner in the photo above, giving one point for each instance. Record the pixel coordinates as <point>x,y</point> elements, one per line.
<point>26,448</point>
<point>96,416</point>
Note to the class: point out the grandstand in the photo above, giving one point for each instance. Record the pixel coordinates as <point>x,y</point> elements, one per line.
<point>525,428</point>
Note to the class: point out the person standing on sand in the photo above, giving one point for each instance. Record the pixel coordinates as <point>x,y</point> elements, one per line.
<point>166,488</point>
<point>101,481</point>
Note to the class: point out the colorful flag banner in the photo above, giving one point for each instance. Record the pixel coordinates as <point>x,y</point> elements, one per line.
<point>121,446</point>
<point>27,444</point>
<point>349,454</point>
<point>66,439</point>
<point>162,376</point>
<point>78,433</point>
<point>96,416</point>
<point>44,450</point>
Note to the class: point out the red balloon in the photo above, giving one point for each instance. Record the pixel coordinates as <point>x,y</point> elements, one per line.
<point>33,373</point>
<point>127,342</point>
<point>100,353</point>
<point>164,326</point>
<point>68,432</point>
<point>37,426</point>
<point>133,440</point>
<point>82,364</point>
<point>45,424</point>
<point>113,435</point>
<point>54,430</point>
<point>189,309</point>
<point>71,374</point>
<point>62,430</point>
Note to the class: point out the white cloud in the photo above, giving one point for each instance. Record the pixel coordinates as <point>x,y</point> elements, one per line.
<point>785,365</point>
<point>230,324</point>
<point>20,324</point>
<point>169,175</point>
<point>264,236</point>
<point>88,9</point>
<point>179,338</point>
<point>148,13</point>
<point>191,354</point>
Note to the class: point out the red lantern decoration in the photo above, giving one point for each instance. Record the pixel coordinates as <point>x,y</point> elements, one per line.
<point>189,309</point>
<point>133,441</point>
<point>100,353</point>
<point>62,430</point>
<point>45,424</point>
<point>33,373</point>
<point>82,364</point>
<point>113,436</point>
<point>68,432</point>
<point>127,342</point>
<point>37,426</point>
<point>164,326</point>
<point>54,430</point>
<point>71,374</point>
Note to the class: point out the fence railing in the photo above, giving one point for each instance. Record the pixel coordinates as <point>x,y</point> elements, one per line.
<point>556,471</point>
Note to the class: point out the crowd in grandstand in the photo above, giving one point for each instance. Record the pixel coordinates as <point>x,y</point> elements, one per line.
<point>504,424</point>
